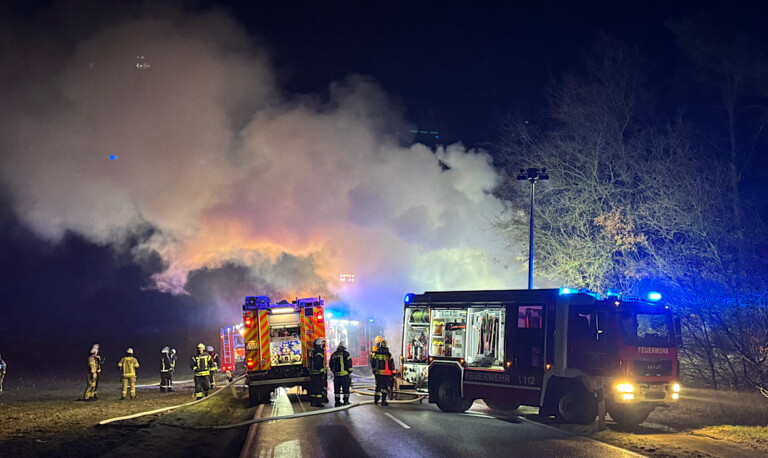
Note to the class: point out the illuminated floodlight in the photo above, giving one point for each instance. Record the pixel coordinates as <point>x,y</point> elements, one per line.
<point>347,278</point>
<point>564,291</point>
<point>654,296</point>
<point>354,323</point>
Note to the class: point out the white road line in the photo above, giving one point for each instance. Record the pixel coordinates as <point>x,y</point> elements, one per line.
<point>568,433</point>
<point>397,421</point>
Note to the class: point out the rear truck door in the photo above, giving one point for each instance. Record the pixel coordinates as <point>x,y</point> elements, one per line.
<point>416,342</point>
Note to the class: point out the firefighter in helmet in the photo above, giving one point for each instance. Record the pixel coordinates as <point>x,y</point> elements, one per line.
<point>383,366</point>
<point>172,356</point>
<point>166,369</point>
<point>201,364</point>
<point>94,368</point>
<point>216,364</point>
<point>2,373</point>
<point>317,374</point>
<point>128,365</point>
<point>341,365</point>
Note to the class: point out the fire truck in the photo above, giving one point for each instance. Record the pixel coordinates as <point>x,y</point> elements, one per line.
<point>561,350</point>
<point>232,350</point>
<point>279,339</point>
<point>355,334</point>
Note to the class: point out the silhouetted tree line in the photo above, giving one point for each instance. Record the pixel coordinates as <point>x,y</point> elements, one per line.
<point>656,183</point>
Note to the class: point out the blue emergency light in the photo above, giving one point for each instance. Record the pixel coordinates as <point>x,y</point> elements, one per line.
<point>654,296</point>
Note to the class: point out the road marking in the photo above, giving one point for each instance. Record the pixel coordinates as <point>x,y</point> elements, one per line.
<point>568,433</point>
<point>250,438</point>
<point>397,421</point>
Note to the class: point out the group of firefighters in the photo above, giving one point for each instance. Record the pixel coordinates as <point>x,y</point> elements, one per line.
<point>340,362</point>
<point>204,364</point>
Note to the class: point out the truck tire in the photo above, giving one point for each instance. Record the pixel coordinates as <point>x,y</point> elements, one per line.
<point>449,397</point>
<point>575,405</point>
<point>628,417</point>
<point>502,406</point>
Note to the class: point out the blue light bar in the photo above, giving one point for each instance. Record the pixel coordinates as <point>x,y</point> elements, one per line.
<point>613,293</point>
<point>654,296</point>
<point>564,291</point>
<point>112,157</point>
<point>408,298</point>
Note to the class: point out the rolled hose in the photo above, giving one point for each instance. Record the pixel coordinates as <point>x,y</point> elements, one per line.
<point>165,409</point>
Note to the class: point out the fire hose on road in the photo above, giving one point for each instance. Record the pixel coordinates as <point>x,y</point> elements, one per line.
<point>166,409</point>
<point>365,392</point>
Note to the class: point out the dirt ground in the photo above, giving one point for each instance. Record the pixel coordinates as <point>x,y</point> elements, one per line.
<point>46,419</point>
<point>682,429</point>
<point>49,420</point>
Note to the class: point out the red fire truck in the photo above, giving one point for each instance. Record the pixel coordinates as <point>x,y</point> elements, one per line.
<point>232,350</point>
<point>278,340</point>
<point>557,349</point>
<point>356,336</point>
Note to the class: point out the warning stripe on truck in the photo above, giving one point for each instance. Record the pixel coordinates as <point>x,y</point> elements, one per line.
<point>266,355</point>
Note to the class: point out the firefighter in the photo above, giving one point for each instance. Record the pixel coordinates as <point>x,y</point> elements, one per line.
<point>94,368</point>
<point>201,364</point>
<point>128,367</point>
<point>165,370</point>
<point>216,364</point>
<point>341,365</point>
<point>2,373</point>
<point>172,357</point>
<point>317,374</point>
<point>375,347</point>
<point>383,367</point>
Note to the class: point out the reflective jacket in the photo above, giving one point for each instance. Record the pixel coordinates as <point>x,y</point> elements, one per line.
<point>341,363</point>
<point>165,363</point>
<point>317,362</point>
<point>128,366</point>
<point>201,364</point>
<point>94,364</point>
<point>382,362</point>
<point>216,361</point>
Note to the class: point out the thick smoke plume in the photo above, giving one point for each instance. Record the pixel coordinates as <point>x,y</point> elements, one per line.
<point>232,171</point>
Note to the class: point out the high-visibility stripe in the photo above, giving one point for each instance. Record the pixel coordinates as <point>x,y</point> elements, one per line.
<point>266,354</point>
<point>252,335</point>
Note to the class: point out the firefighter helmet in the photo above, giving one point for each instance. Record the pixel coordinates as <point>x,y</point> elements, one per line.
<point>383,344</point>
<point>129,351</point>
<point>379,339</point>
<point>209,348</point>
<point>95,348</point>
<point>319,342</point>
<point>173,351</point>
<point>342,346</point>
<point>200,346</point>
<point>165,350</point>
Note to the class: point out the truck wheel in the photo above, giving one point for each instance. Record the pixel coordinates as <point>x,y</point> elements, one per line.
<point>502,406</point>
<point>449,397</point>
<point>628,417</point>
<point>576,406</point>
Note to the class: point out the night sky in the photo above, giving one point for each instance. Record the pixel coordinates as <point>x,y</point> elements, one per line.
<point>267,148</point>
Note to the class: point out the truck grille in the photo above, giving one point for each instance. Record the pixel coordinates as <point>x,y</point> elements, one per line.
<point>650,368</point>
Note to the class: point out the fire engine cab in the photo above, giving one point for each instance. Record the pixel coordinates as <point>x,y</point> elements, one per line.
<point>561,350</point>
<point>278,341</point>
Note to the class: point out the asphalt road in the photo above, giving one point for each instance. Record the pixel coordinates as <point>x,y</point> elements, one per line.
<point>411,430</point>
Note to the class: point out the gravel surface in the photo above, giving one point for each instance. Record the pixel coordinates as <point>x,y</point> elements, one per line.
<point>49,420</point>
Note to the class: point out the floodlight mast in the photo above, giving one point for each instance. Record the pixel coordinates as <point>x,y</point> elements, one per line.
<point>532,175</point>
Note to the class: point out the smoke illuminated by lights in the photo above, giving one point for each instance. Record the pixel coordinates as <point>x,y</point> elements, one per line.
<point>231,170</point>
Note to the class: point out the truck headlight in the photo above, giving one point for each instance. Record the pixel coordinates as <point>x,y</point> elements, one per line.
<point>625,388</point>
<point>676,388</point>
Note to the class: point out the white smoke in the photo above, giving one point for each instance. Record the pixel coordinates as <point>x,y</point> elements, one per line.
<point>231,170</point>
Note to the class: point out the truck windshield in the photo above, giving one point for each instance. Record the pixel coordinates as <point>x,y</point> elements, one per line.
<point>646,329</point>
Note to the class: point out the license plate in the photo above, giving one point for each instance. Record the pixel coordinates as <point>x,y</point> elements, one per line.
<point>252,346</point>
<point>656,388</point>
